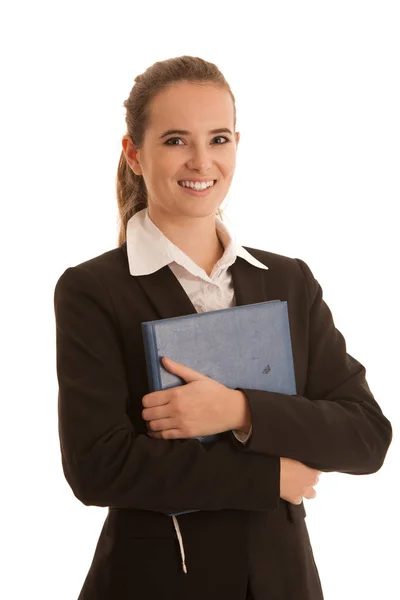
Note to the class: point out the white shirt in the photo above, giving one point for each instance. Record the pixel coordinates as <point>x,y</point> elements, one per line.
<point>149,250</point>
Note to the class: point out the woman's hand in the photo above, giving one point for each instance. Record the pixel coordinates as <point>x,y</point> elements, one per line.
<point>297,481</point>
<point>201,407</point>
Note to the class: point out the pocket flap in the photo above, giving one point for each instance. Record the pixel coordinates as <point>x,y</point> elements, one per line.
<point>296,511</point>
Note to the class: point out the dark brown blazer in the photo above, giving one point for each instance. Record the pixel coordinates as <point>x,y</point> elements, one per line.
<point>245,537</point>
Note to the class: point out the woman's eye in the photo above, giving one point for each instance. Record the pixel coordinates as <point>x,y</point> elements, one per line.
<point>222,137</point>
<point>171,141</point>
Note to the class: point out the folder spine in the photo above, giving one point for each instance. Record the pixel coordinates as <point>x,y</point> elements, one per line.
<point>151,356</point>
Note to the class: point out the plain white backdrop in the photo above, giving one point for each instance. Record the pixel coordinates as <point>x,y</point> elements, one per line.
<point>317,178</point>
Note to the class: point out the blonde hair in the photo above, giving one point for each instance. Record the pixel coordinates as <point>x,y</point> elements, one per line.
<point>131,188</point>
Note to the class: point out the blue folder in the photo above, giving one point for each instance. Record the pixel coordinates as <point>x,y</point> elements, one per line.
<point>240,347</point>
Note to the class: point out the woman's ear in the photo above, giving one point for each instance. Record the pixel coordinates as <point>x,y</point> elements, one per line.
<point>132,154</point>
<point>237,138</point>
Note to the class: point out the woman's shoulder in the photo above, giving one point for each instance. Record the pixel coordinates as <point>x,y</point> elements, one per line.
<point>114,258</point>
<point>272,260</point>
<point>294,272</point>
<point>108,266</point>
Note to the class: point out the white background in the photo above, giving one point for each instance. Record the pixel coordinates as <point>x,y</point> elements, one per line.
<point>317,91</point>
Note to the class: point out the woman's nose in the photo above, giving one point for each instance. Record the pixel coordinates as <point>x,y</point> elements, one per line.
<point>200,160</point>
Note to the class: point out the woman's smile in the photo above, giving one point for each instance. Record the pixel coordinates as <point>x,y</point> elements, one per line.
<point>197,189</point>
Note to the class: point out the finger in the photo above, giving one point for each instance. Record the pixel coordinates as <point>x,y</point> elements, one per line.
<point>168,434</point>
<point>159,398</point>
<point>186,373</point>
<point>156,412</point>
<point>160,424</point>
<point>310,494</point>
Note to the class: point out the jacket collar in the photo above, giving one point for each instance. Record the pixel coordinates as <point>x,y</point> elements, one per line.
<point>149,249</point>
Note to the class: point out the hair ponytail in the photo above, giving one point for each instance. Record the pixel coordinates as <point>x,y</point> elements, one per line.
<point>131,195</point>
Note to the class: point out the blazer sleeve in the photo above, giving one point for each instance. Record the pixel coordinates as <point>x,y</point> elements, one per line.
<point>337,425</point>
<point>105,461</point>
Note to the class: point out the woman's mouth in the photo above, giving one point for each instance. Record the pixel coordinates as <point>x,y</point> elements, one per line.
<point>197,188</point>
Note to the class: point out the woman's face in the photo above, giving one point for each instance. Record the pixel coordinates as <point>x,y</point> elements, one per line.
<point>200,145</point>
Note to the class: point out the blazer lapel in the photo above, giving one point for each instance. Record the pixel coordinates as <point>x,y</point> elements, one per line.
<point>166,294</point>
<point>250,283</point>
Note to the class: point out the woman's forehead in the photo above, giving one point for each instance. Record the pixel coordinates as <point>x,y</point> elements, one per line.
<point>183,105</point>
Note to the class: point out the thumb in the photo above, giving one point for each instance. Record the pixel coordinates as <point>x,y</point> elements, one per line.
<point>186,373</point>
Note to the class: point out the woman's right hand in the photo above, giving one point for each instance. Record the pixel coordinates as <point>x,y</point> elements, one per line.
<point>297,481</point>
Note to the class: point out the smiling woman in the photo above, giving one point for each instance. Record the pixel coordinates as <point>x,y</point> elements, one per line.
<point>242,532</point>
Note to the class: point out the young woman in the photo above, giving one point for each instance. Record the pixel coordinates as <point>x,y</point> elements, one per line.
<point>133,451</point>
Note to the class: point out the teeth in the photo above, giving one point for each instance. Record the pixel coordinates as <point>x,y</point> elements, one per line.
<point>197,185</point>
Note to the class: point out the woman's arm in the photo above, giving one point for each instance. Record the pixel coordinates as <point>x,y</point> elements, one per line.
<point>337,425</point>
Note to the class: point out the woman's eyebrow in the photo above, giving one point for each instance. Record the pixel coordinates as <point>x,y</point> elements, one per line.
<point>184,132</point>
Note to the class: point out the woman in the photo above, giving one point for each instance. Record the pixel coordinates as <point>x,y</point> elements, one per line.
<point>130,450</point>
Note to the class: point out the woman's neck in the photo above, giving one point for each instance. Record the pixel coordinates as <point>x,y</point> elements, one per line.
<point>196,237</point>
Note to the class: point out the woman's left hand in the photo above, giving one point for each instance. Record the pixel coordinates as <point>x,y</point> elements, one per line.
<point>201,407</point>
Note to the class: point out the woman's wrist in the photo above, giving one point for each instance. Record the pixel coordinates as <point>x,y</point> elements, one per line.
<point>242,412</point>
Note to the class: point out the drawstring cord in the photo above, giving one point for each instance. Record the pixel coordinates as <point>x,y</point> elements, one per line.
<point>178,533</point>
